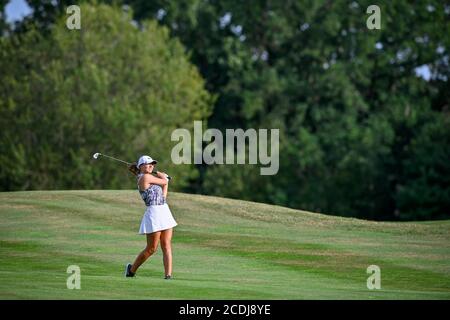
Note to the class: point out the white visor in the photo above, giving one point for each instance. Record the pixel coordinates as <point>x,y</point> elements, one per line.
<point>144,160</point>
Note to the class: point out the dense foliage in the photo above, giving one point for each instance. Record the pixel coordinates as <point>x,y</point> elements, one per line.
<point>109,87</point>
<point>361,132</point>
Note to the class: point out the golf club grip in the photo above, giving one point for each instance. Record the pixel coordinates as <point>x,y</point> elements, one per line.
<point>168,177</point>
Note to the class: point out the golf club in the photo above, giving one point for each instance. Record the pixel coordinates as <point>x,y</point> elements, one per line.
<point>97,154</point>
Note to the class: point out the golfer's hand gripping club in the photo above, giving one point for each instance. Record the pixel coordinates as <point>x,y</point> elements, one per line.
<point>167,176</point>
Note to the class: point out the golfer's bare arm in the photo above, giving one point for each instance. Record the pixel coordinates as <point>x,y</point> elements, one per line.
<point>165,189</point>
<point>148,179</point>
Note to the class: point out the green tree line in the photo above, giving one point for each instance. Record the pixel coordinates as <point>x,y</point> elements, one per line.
<point>110,87</point>
<point>361,133</point>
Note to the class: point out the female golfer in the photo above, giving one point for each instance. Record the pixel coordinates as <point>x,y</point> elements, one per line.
<point>158,221</point>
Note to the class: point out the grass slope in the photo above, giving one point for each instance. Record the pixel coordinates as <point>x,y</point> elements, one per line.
<point>223,249</point>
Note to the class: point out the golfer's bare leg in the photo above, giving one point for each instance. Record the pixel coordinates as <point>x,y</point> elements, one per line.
<point>152,246</point>
<point>166,246</point>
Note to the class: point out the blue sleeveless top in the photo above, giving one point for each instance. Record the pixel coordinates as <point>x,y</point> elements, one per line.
<point>153,195</point>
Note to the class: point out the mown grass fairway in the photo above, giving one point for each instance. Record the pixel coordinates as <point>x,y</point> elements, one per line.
<point>223,249</point>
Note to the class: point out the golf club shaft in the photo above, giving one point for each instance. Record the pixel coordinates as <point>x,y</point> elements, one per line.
<point>128,163</point>
<point>104,155</point>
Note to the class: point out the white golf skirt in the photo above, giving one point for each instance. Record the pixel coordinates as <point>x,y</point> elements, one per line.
<point>157,218</point>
